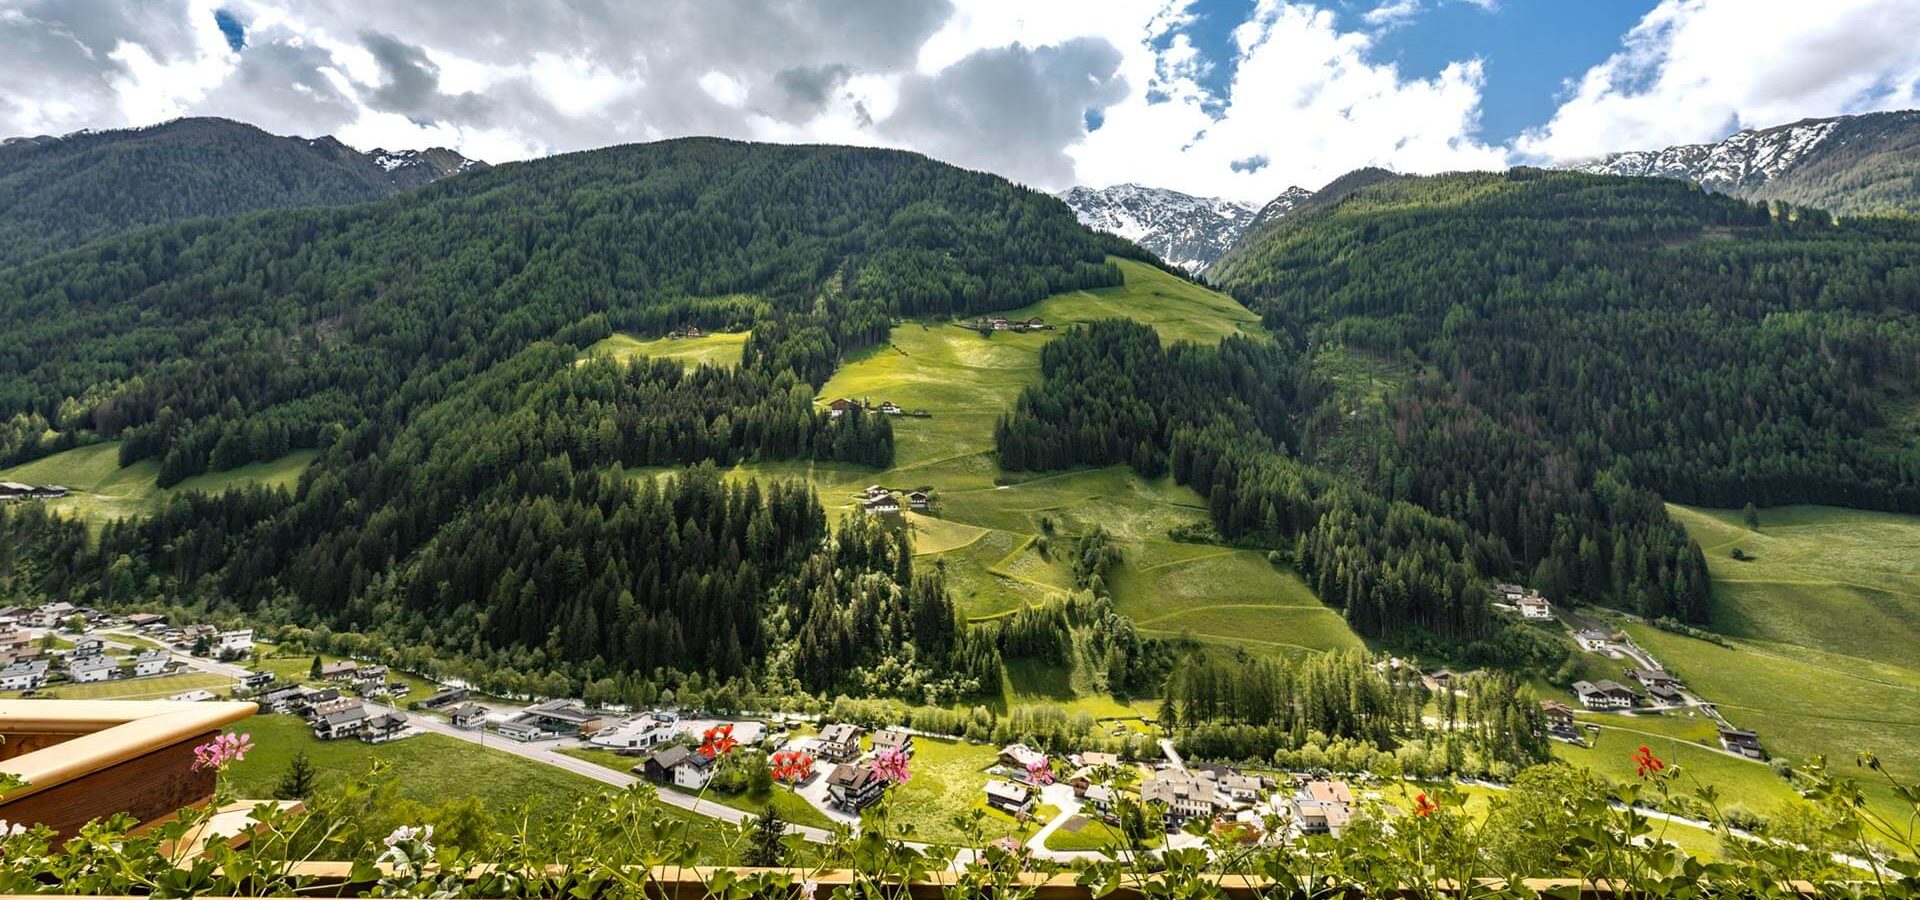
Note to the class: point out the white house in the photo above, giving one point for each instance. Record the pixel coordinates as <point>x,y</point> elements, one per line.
<point>50,615</point>
<point>193,696</point>
<point>152,662</point>
<point>87,646</point>
<point>239,642</point>
<point>638,733</point>
<point>1591,641</point>
<point>1604,694</point>
<point>92,668</point>
<point>23,676</point>
<point>1534,606</point>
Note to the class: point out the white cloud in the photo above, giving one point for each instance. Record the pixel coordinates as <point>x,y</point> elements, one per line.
<point>1307,97</point>
<point>1695,70</point>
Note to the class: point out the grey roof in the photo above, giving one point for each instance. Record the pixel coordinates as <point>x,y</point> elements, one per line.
<point>564,710</point>
<point>342,717</point>
<point>672,757</point>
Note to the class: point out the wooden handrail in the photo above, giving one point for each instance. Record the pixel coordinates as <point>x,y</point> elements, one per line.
<point>95,758</point>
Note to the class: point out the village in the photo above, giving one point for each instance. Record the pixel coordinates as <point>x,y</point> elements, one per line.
<point>1664,692</point>
<point>833,766</point>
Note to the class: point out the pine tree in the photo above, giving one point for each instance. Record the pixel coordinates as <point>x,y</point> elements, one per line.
<point>314,670</point>
<point>764,847</point>
<point>298,782</point>
<point>1751,516</point>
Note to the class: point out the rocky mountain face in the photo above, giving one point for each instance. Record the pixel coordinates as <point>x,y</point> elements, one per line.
<point>1847,164</point>
<point>1188,231</point>
<point>60,192</point>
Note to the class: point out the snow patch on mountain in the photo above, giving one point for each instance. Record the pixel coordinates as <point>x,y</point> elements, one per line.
<point>1745,160</point>
<point>1188,231</point>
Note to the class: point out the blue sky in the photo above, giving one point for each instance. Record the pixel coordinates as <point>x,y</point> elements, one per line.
<point>1229,98</point>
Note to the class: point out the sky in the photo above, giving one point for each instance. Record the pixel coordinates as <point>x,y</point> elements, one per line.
<point>1233,98</point>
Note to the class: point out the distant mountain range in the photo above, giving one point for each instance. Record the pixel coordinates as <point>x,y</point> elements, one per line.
<point>1848,165</point>
<point>1185,230</point>
<point>60,192</point>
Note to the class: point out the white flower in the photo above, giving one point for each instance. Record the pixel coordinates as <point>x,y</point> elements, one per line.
<point>403,833</point>
<point>807,889</point>
<point>14,830</point>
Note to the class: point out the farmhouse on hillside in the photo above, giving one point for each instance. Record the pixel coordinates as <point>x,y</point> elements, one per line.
<point>1604,694</point>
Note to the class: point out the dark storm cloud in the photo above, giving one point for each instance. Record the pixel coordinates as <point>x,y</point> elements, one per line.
<point>801,92</point>
<point>1011,110</point>
<point>560,76</point>
<point>410,85</point>
<point>281,83</point>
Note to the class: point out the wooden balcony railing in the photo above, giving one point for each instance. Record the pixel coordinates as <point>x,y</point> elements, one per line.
<point>89,759</point>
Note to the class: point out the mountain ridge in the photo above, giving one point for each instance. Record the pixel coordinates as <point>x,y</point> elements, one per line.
<point>1848,165</point>
<point>58,192</point>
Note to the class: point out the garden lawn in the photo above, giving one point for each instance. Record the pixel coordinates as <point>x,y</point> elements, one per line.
<point>1084,833</point>
<point>431,769</point>
<point>788,805</point>
<point>947,781</point>
<point>153,688</point>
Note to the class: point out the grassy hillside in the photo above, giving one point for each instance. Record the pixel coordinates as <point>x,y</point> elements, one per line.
<point>723,349</point>
<point>1822,626</point>
<point>103,491</point>
<point>1002,539</point>
<point>1839,580</point>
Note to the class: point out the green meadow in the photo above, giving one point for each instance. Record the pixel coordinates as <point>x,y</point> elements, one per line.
<point>721,349</point>
<point>103,491</point>
<point>1003,539</point>
<point>433,769</point>
<point>1822,622</point>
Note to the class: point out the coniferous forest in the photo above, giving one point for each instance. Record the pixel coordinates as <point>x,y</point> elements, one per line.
<point>1563,353</point>
<point>478,488</point>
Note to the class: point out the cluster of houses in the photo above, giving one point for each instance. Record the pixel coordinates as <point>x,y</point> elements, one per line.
<point>986,324</point>
<point>14,490</point>
<point>1606,693</point>
<point>884,501</point>
<point>368,679</point>
<point>840,406</point>
<point>332,716</point>
<point>1528,603</point>
<point>691,331</point>
<point>27,667</point>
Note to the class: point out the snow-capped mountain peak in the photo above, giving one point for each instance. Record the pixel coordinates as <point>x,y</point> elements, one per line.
<point>1188,231</point>
<point>1744,160</point>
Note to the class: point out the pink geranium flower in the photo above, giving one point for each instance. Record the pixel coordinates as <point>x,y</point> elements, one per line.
<point>890,765</point>
<point>223,751</point>
<point>1040,771</point>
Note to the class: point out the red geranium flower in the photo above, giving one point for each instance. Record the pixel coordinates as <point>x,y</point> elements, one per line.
<point>718,741</point>
<point>792,765</point>
<point>1648,763</point>
<point>1423,806</point>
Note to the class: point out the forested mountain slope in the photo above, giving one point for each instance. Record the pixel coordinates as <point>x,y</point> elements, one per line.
<point>1542,350</point>
<point>467,496</point>
<point>60,192</point>
<point>1847,165</point>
